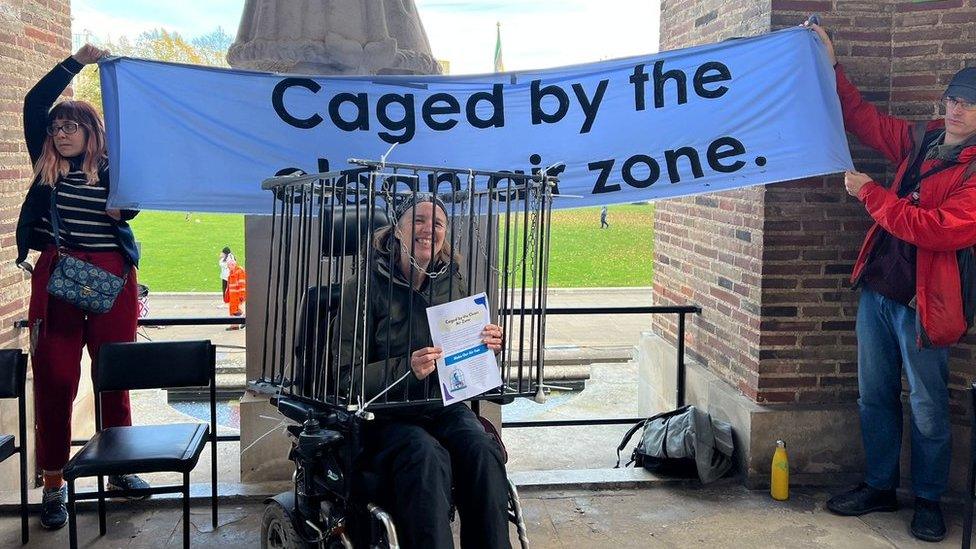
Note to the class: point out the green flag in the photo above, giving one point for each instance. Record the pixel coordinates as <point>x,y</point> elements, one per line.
<point>499,65</point>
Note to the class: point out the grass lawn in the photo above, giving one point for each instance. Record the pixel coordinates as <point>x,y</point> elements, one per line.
<point>583,255</point>
<point>179,254</point>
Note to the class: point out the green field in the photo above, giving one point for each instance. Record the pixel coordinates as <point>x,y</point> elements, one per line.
<point>180,251</point>
<point>583,255</point>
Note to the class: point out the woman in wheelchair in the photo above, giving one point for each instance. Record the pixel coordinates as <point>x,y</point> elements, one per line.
<point>421,450</point>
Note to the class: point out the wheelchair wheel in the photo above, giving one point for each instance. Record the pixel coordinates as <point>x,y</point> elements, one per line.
<point>277,530</point>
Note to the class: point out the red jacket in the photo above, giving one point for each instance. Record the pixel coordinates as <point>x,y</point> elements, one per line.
<point>943,222</point>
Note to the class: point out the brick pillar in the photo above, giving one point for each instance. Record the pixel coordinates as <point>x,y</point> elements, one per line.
<point>770,266</point>
<point>33,37</point>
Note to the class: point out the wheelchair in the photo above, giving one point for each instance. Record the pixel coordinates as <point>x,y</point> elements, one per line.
<point>334,502</point>
<point>319,222</point>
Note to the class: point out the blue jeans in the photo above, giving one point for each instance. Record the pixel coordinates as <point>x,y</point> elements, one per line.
<point>886,342</point>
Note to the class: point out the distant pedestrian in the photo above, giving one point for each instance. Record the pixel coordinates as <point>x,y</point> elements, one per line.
<point>236,291</point>
<point>603,219</point>
<point>225,258</point>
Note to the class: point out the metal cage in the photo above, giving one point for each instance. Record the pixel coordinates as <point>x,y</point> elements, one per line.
<point>325,230</point>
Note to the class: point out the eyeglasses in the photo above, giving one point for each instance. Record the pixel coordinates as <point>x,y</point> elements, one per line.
<point>68,128</point>
<point>952,102</point>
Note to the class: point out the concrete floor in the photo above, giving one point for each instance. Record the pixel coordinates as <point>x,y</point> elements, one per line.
<point>656,517</point>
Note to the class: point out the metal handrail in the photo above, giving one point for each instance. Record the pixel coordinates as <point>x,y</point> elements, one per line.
<point>680,310</point>
<point>173,321</point>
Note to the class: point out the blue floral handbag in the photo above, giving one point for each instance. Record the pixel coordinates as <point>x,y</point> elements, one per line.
<point>84,285</point>
<point>90,288</point>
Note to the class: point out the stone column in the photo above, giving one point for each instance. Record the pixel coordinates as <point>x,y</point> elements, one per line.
<point>333,37</point>
<point>319,37</point>
<point>774,350</point>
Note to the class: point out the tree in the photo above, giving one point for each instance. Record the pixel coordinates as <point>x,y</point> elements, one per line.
<point>160,45</point>
<point>213,47</point>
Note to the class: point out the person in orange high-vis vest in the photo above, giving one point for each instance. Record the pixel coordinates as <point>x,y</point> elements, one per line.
<point>236,290</point>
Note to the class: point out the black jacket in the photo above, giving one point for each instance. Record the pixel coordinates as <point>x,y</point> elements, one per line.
<point>37,203</point>
<point>396,326</point>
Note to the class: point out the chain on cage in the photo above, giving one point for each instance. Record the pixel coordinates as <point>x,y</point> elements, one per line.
<point>536,205</point>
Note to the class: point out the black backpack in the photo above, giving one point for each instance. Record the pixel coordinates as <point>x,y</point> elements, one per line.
<point>686,443</point>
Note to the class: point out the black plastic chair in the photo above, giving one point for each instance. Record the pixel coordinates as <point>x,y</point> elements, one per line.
<point>967,519</point>
<point>13,373</point>
<point>174,447</point>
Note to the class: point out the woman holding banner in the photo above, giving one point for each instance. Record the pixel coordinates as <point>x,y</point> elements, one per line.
<point>67,148</point>
<point>423,449</point>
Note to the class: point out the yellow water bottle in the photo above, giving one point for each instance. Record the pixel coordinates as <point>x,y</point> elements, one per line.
<point>779,482</point>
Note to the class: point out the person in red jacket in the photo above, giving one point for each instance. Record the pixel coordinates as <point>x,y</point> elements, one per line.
<point>911,306</point>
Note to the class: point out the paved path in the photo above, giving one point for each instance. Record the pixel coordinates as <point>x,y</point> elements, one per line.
<point>657,517</point>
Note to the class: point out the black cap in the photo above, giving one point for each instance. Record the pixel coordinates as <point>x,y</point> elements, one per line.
<point>963,85</point>
<point>407,202</point>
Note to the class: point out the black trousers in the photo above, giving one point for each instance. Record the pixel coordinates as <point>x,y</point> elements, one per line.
<point>420,457</point>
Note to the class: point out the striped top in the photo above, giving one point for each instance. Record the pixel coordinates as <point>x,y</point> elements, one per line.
<point>84,225</point>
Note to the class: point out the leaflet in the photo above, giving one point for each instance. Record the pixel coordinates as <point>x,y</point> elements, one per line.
<point>468,367</point>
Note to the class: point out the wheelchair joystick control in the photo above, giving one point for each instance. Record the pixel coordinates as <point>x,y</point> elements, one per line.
<point>311,425</point>
<point>314,438</point>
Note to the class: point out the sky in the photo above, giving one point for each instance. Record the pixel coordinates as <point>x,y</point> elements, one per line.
<point>535,33</point>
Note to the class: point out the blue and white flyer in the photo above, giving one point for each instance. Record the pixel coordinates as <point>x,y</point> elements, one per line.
<point>469,367</point>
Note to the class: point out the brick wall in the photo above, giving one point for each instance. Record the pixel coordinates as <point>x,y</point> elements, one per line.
<point>708,249</point>
<point>34,35</point>
<point>787,335</point>
<point>814,231</point>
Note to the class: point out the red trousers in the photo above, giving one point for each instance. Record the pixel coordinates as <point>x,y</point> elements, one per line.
<point>58,338</point>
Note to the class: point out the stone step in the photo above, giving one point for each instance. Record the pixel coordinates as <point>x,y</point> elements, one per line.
<point>615,372</point>
<point>592,479</point>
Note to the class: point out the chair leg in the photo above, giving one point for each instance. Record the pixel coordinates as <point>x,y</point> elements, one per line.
<point>213,481</point>
<point>72,517</point>
<point>186,510</point>
<point>101,506</point>
<point>24,530</point>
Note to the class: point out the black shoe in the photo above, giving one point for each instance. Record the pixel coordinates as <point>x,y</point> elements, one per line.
<point>128,482</point>
<point>927,524</point>
<point>54,513</point>
<point>863,500</point>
